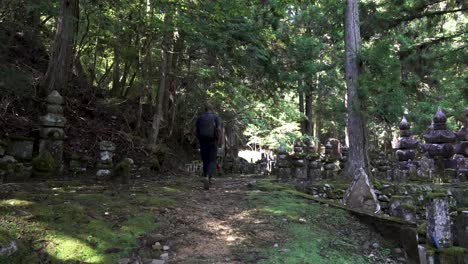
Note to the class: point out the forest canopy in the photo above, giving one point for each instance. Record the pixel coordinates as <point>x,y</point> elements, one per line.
<point>274,69</point>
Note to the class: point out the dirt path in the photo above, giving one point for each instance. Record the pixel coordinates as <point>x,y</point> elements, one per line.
<point>211,223</point>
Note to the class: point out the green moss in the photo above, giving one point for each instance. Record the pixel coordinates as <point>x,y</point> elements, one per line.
<point>409,207</point>
<point>459,210</point>
<point>401,197</point>
<point>316,240</point>
<point>155,201</point>
<point>422,228</point>
<point>44,163</point>
<point>453,251</point>
<point>434,195</point>
<point>74,226</point>
<point>5,237</point>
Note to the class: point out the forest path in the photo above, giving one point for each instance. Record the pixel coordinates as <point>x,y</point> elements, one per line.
<point>212,224</point>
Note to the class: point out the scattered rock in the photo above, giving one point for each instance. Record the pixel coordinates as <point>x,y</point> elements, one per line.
<point>302,220</point>
<point>166,248</point>
<point>165,256</point>
<point>124,261</point>
<point>9,249</point>
<point>375,245</point>
<point>156,246</point>
<point>157,261</point>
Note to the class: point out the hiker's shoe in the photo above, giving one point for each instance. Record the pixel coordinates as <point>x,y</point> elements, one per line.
<point>206,183</point>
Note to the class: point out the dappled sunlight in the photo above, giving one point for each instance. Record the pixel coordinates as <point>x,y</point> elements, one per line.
<point>66,248</point>
<point>223,231</point>
<point>15,202</point>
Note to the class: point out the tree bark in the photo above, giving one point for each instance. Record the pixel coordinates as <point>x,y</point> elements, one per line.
<point>60,63</point>
<point>116,74</point>
<point>301,106</point>
<point>309,125</point>
<point>157,117</point>
<point>356,123</point>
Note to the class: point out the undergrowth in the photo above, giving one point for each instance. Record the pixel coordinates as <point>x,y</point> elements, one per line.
<point>78,224</point>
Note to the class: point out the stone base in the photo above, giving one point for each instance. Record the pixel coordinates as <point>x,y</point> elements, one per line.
<point>314,174</point>
<point>284,174</point>
<point>55,147</point>
<point>299,173</point>
<point>330,174</point>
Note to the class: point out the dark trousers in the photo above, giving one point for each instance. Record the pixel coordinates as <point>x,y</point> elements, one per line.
<point>208,151</point>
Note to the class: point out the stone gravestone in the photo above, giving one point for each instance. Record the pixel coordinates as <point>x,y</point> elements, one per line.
<point>332,156</point>
<point>438,220</point>
<point>361,194</point>
<point>461,150</point>
<point>299,170</point>
<point>52,131</point>
<point>314,165</point>
<point>439,143</point>
<point>403,207</point>
<point>282,163</point>
<point>105,164</point>
<point>406,152</point>
<point>21,148</point>
<point>426,167</point>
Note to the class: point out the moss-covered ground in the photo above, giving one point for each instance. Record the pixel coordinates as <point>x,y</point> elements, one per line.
<point>312,232</point>
<point>233,222</point>
<point>67,222</point>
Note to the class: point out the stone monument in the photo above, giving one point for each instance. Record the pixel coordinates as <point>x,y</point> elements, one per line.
<point>52,130</point>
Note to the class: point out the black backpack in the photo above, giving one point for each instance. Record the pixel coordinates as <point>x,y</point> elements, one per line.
<point>207,126</point>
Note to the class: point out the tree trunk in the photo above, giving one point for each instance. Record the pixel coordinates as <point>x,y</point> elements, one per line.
<point>301,105</point>
<point>60,63</point>
<point>116,74</point>
<point>309,127</point>
<point>162,86</point>
<point>356,123</point>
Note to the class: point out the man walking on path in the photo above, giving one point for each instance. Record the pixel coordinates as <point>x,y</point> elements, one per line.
<point>208,131</point>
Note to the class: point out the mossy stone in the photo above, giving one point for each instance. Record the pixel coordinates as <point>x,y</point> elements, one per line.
<point>44,163</point>
<point>435,195</point>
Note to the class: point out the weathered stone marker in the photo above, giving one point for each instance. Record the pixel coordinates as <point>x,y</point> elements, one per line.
<point>439,143</point>
<point>332,155</point>
<point>299,170</point>
<point>52,133</point>
<point>314,165</point>
<point>361,194</point>
<point>438,220</point>
<point>105,164</point>
<point>406,152</point>
<point>283,164</point>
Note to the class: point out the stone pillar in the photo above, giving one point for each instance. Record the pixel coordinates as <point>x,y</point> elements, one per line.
<point>283,165</point>
<point>299,170</point>
<point>438,220</point>
<point>105,164</point>
<point>461,150</point>
<point>382,166</point>
<point>439,145</point>
<point>330,167</point>
<point>461,229</point>
<point>313,164</point>
<point>403,207</point>
<point>52,133</point>
<point>406,152</point>
<point>344,157</point>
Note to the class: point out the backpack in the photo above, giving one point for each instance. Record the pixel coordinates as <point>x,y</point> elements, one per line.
<point>207,126</point>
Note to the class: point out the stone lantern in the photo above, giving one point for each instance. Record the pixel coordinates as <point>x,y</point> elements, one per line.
<point>52,130</point>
